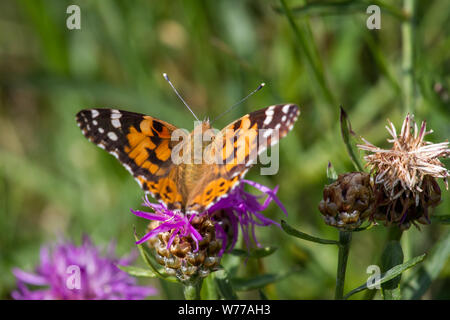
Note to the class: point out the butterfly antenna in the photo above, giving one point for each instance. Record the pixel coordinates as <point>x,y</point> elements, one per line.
<point>240,101</point>
<point>179,96</point>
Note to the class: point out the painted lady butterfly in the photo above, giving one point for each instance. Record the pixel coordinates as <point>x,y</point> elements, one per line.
<point>144,146</point>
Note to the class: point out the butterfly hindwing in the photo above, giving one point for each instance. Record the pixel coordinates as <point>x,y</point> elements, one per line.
<point>237,146</point>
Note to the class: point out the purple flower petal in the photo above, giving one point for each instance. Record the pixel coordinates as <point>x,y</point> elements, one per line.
<point>242,209</point>
<point>79,273</point>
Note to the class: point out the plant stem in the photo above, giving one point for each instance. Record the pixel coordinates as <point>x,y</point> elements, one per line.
<point>345,238</point>
<point>408,46</point>
<point>192,289</point>
<point>394,234</point>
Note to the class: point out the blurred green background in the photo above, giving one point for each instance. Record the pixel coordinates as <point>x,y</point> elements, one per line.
<point>54,182</point>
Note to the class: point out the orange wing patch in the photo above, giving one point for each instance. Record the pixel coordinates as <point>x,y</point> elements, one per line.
<point>211,193</point>
<point>239,143</point>
<point>165,190</point>
<point>149,147</point>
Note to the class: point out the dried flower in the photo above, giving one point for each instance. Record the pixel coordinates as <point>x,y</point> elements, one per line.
<point>405,175</point>
<point>403,210</point>
<point>71,272</point>
<point>347,201</point>
<point>178,237</point>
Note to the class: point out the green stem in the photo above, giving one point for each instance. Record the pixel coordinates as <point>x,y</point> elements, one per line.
<point>408,45</point>
<point>345,238</point>
<point>394,234</point>
<point>192,289</point>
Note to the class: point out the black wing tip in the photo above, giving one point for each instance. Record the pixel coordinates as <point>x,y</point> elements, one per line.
<point>81,115</point>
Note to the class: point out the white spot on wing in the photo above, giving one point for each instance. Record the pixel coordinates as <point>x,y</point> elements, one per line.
<point>116,114</point>
<point>115,154</point>
<point>138,181</point>
<point>269,115</point>
<point>112,136</point>
<point>267,120</point>
<point>286,108</point>
<point>127,167</point>
<point>94,113</point>
<point>116,123</point>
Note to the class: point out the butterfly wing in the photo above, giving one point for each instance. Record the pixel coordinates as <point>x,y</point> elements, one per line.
<point>237,146</point>
<point>141,143</point>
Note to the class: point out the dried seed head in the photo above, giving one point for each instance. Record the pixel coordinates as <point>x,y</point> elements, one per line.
<point>405,175</point>
<point>347,201</point>
<point>410,159</point>
<point>403,211</point>
<point>182,259</point>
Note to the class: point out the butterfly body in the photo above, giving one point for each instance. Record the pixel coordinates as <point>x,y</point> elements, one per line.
<point>187,172</point>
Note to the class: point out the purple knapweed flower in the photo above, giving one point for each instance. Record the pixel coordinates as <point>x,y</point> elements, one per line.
<point>70,272</point>
<point>242,210</point>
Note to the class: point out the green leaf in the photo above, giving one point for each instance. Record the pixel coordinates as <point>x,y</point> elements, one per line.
<point>392,256</point>
<point>419,282</point>
<point>298,234</point>
<point>146,257</point>
<point>224,285</point>
<point>137,272</point>
<point>331,173</point>
<point>390,274</point>
<point>346,131</point>
<point>255,253</point>
<point>256,282</point>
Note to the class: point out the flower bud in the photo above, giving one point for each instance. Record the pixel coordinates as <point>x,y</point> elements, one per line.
<point>346,202</point>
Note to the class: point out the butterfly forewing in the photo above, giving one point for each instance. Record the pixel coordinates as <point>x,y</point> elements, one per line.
<point>141,143</point>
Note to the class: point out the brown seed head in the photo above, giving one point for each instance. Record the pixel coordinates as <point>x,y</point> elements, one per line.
<point>410,159</point>
<point>182,259</point>
<point>406,175</point>
<point>347,201</point>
